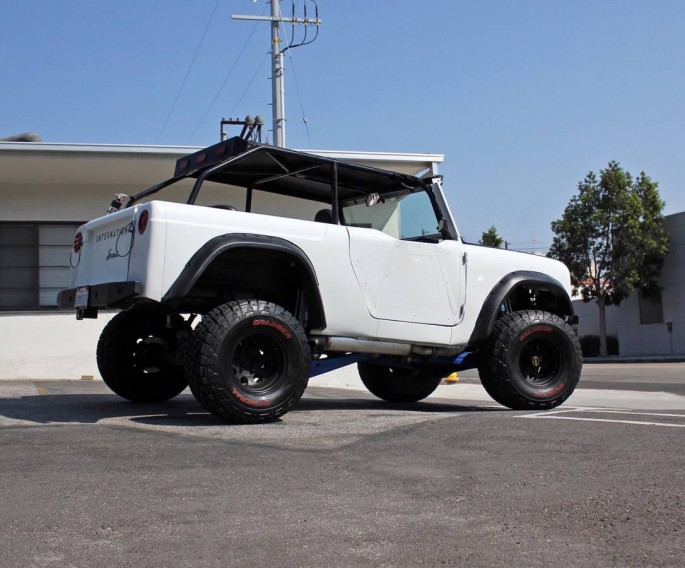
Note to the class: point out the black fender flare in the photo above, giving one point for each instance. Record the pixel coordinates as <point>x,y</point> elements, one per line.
<point>204,257</point>
<point>520,278</point>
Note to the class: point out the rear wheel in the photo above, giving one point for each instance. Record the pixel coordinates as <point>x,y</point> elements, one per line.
<point>399,384</point>
<point>532,361</point>
<point>139,358</point>
<point>248,361</point>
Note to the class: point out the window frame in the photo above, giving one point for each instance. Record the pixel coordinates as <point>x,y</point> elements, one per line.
<point>647,306</point>
<point>35,226</point>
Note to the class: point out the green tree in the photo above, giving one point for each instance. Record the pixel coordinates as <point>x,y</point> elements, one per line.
<point>491,238</point>
<point>612,239</point>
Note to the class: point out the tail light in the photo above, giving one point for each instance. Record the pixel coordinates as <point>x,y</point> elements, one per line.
<point>78,242</point>
<point>143,221</point>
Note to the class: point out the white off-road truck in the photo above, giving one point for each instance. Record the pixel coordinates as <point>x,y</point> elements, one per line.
<point>369,270</point>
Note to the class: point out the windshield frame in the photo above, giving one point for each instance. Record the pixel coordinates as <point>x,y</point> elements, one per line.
<point>444,230</point>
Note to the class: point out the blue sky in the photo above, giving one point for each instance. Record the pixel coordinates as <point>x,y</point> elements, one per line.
<point>523,98</point>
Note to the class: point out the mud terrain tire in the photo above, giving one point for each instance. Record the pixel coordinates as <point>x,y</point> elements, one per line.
<point>532,361</point>
<point>399,384</point>
<point>139,357</point>
<point>248,361</point>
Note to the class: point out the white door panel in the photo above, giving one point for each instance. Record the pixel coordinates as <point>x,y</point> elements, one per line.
<point>404,280</point>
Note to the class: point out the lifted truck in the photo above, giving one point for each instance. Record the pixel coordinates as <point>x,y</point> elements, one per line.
<point>371,271</point>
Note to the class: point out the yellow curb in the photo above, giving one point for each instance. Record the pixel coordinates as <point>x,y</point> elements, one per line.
<point>453,378</point>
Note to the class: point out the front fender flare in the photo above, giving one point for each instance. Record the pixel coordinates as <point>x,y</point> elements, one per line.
<point>521,278</point>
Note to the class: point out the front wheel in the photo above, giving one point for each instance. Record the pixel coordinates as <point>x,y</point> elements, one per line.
<point>399,384</point>
<point>532,361</point>
<point>248,361</point>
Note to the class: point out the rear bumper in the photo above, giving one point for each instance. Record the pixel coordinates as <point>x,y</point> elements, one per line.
<point>101,295</point>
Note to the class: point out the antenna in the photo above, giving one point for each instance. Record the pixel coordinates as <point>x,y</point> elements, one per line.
<point>277,68</point>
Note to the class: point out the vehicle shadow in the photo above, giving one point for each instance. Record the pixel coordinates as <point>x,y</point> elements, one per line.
<point>91,408</point>
<point>94,408</point>
<point>374,404</point>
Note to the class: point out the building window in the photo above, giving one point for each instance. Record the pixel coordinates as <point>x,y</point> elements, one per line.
<point>34,264</point>
<point>651,309</point>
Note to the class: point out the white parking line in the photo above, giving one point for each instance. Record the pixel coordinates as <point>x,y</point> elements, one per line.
<point>558,415</point>
<point>635,413</point>
<point>612,421</point>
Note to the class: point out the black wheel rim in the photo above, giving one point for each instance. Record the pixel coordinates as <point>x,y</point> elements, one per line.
<point>540,363</point>
<point>152,355</point>
<point>258,363</point>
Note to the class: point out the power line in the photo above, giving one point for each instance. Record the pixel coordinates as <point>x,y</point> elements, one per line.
<point>192,62</point>
<point>297,88</point>
<point>228,75</point>
<point>249,84</point>
<point>277,67</point>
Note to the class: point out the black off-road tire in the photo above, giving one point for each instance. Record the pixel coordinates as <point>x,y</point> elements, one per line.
<point>139,357</point>
<point>532,361</point>
<point>399,384</point>
<point>248,361</point>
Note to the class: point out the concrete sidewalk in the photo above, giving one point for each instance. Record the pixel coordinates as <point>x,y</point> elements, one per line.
<point>348,378</point>
<point>635,359</point>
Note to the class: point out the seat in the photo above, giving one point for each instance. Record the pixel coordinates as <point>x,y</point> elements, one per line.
<point>324,216</point>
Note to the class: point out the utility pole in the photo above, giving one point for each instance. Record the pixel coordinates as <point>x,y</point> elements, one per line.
<point>277,70</point>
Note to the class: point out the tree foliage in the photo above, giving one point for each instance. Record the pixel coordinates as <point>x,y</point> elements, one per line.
<point>611,237</point>
<point>491,238</point>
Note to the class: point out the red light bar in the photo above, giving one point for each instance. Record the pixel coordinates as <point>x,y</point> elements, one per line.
<point>211,155</point>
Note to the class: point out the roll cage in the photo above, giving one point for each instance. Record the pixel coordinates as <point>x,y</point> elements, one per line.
<point>253,166</point>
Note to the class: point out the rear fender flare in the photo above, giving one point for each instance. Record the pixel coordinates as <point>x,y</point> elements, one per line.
<point>213,248</point>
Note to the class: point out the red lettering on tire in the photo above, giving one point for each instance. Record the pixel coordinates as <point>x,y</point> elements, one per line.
<point>249,401</point>
<point>550,393</point>
<point>271,323</point>
<point>536,329</point>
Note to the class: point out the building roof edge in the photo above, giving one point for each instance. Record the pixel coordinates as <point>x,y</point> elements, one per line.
<point>79,148</point>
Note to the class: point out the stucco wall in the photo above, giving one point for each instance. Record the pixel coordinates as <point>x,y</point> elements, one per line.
<point>49,346</point>
<point>588,314</point>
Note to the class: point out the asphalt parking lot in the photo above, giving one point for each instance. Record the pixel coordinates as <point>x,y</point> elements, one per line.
<point>344,480</point>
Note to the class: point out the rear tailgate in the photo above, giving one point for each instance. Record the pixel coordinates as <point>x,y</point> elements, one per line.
<point>111,260</point>
<point>105,252</point>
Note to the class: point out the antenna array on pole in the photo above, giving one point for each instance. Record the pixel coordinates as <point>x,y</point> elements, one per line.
<point>277,70</point>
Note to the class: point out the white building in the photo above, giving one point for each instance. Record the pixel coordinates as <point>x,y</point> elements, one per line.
<point>641,324</point>
<point>46,192</point>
